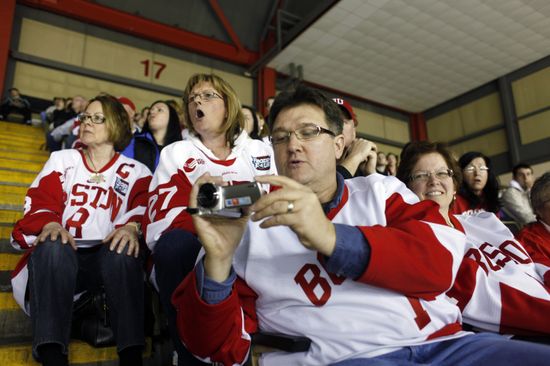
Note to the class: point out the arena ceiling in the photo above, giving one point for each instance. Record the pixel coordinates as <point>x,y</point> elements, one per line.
<point>410,55</point>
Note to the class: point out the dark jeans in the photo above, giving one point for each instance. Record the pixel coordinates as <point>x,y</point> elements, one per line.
<point>6,109</point>
<point>175,254</point>
<point>57,273</point>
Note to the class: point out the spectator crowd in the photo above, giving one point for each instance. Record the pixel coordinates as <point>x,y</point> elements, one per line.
<point>377,259</point>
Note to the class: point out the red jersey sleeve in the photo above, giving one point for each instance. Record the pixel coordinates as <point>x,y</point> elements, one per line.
<point>220,332</point>
<point>44,203</point>
<point>407,255</point>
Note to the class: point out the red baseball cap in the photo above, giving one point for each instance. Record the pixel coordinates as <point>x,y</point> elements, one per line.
<point>128,102</point>
<point>346,108</point>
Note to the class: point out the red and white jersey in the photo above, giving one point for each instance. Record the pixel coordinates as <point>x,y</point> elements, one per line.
<point>182,163</point>
<point>399,301</point>
<point>62,192</point>
<point>535,237</point>
<point>499,288</point>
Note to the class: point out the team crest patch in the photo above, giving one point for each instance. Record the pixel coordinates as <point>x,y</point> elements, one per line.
<point>121,186</point>
<point>261,162</point>
<point>190,165</point>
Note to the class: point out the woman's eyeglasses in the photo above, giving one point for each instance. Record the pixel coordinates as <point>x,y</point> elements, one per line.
<point>471,169</point>
<point>94,118</point>
<point>424,176</point>
<point>206,96</point>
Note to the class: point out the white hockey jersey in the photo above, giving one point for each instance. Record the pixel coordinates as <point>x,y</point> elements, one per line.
<point>63,192</point>
<point>182,163</point>
<point>499,288</point>
<point>399,301</point>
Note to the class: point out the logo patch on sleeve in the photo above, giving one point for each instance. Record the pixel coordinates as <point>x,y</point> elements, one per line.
<point>121,186</point>
<point>261,162</point>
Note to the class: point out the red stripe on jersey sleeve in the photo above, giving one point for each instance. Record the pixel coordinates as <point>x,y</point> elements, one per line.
<point>523,314</point>
<point>139,193</point>
<point>465,283</point>
<point>215,331</point>
<point>536,240</point>
<point>47,196</point>
<point>406,256</point>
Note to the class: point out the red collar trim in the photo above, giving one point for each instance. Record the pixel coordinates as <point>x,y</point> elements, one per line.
<point>223,162</point>
<point>106,167</point>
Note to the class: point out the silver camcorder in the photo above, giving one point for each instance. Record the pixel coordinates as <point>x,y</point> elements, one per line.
<point>227,201</point>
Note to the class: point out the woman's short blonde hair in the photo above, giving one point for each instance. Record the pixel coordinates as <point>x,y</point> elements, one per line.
<point>234,122</point>
<point>117,121</point>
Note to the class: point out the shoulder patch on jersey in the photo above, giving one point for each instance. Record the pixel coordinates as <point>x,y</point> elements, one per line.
<point>121,186</point>
<point>261,162</point>
<point>191,164</point>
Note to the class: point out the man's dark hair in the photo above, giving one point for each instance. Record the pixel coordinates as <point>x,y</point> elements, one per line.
<point>521,166</point>
<point>306,95</point>
<point>10,89</point>
<point>540,191</point>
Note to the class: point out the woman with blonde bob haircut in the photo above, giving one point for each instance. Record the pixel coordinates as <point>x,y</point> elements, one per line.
<point>217,144</point>
<point>233,122</point>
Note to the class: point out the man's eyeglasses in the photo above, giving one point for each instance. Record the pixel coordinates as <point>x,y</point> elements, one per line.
<point>303,133</point>
<point>424,176</point>
<point>206,96</point>
<point>470,169</point>
<point>94,118</point>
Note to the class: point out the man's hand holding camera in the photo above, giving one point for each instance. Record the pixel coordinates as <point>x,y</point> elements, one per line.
<point>298,207</point>
<point>293,205</point>
<point>219,236</point>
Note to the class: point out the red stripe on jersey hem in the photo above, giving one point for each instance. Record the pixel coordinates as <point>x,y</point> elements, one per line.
<point>447,330</point>
<point>107,166</point>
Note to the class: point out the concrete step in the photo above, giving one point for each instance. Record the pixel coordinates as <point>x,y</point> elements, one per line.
<point>21,130</point>
<point>10,216</point>
<point>6,247</point>
<point>29,139</point>
<point>80,353</point>
<point>5,231</point>
<point>16,178</point>
<point>8,261</point>
<point>21,165</point>
<point>34,155</point>
<point>12,201</point>
<point>10,189</point>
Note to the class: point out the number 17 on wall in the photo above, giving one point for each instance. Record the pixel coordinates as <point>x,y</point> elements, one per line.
<point>152,66</point>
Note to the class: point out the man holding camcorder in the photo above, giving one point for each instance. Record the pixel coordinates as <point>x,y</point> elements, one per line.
<point>354,265</point>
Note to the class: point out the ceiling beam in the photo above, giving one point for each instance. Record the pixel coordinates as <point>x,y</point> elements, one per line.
<point>226,24</point>
<point>282,40</point>
<point>134,25</point>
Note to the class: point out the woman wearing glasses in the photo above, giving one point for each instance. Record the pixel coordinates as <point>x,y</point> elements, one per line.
<point>498,286</point>
<point>216,144</point>
<point>80,232</point>
<point>479,189</point>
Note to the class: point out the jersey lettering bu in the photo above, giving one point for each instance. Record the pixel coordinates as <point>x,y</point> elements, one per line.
<point>182,163</point>
<point>64,192</point>
<point>499,288</point>
<point>377,313</point>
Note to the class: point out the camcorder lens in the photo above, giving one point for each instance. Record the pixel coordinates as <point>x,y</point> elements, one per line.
<point>208,196</point>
